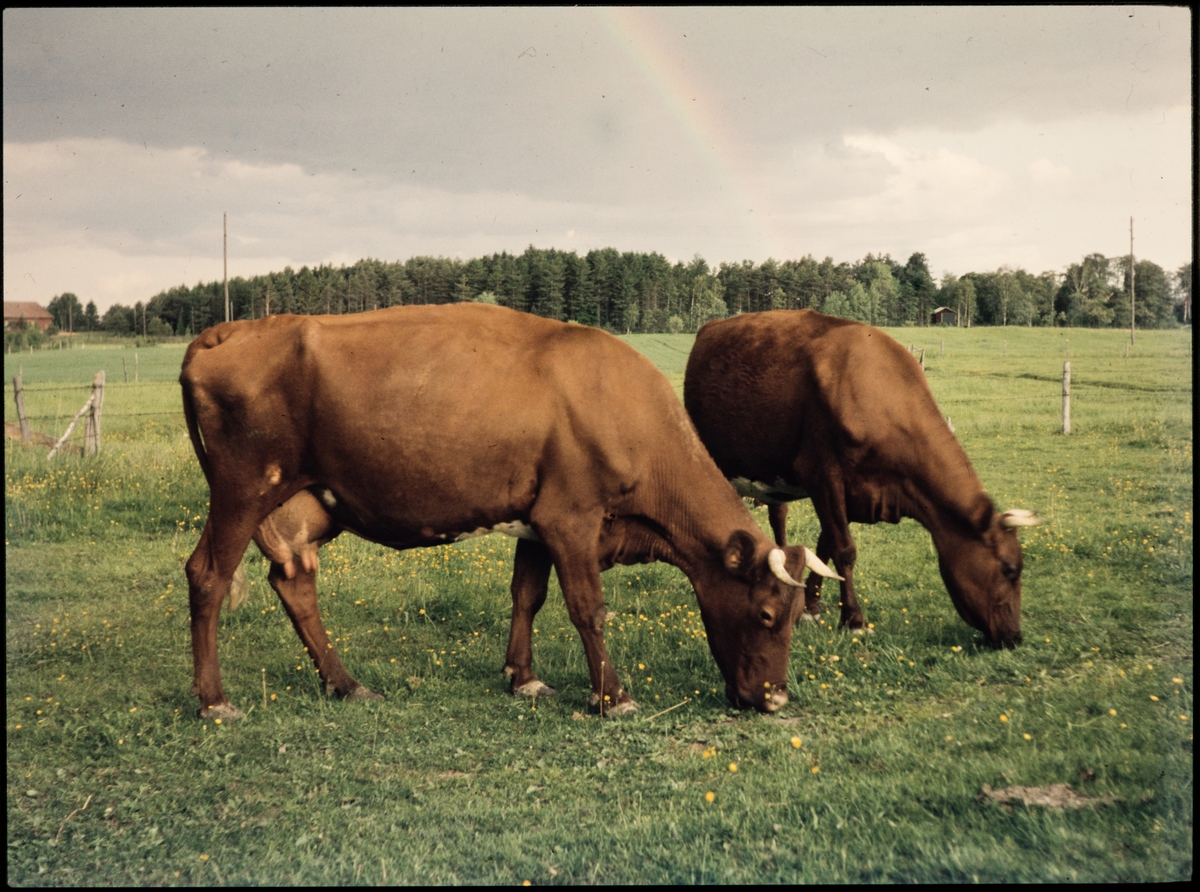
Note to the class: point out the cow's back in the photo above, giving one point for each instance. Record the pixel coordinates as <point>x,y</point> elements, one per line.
<point>769,389</point>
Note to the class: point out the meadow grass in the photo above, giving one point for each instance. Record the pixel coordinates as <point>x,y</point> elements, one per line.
<point>872,772</point>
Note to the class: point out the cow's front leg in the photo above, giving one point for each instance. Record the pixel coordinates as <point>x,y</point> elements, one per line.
<point>579,577</point>
<point>531,576</point>
<point>299,596</point>
<point>845,558</point>
<point>777,515</point>
<point>812,585</point>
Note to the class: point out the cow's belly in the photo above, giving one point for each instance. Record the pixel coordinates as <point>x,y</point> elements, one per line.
<point>772,493</point>
<point>397,529</point>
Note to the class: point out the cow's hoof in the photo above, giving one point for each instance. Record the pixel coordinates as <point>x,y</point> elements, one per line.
<point>809,617</point>
<point>534,689</point>
<point>623,706</point>
<point>364,693</point>
<point>219,711</point>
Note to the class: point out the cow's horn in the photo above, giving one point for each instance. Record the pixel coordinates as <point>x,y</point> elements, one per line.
<point>1019,517</point>
<point>819,567</point>
<point>776,560</point>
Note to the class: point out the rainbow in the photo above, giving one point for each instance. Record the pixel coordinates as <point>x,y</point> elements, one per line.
<point>635,35</point>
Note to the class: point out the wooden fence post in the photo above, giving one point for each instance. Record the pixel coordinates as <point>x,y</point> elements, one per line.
<point>91,437</point>
<point>922,359</point>
<point>942,341</point>
<point>124,370</point>
<point>1066,398</point>
<point>19,391</point>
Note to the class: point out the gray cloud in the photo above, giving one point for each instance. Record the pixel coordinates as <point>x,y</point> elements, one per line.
<point>733,132</point>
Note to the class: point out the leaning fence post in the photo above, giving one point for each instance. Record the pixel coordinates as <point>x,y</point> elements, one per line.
<point>922,359</point>
<point>71,427</point>
<point>19,392</point>
<point>91,436</point>
<point>1066,398</point>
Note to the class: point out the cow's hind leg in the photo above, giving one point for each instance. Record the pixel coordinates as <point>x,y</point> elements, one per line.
<point>531,576</point>
<point>210,570</point>
<point>299,596</point>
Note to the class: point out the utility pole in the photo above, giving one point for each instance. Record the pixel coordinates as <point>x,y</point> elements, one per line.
<point>225,255</point>
<point>1132,326</point>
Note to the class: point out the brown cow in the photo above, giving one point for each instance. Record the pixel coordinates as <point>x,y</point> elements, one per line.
<point>795,404</point>
<point>418,426</point>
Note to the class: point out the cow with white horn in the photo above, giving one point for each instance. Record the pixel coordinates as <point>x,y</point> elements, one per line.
<point>795,404</point>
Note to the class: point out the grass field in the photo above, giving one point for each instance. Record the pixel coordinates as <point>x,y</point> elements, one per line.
<point>873,772</point>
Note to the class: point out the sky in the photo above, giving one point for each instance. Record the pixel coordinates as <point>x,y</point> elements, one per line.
<point>980,136</point>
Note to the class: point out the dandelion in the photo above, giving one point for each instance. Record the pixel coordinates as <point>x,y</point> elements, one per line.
<point>733,766</point>
<point>1182,718</point>
<point>1177,680</point>
<point>1027,736</point>
<point>1152,697</point>
<point>796,742</point>
<point>1003,717</point>
<point>1112,712</point>
<point>710,796</point>
<point>815,769</point>
<point>204,857</point>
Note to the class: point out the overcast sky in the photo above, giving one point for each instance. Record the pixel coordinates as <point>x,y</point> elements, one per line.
<point>979,136</point>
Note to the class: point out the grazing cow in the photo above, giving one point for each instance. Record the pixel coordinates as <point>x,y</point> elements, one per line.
<point>419,426</point>
<point>796,404</point>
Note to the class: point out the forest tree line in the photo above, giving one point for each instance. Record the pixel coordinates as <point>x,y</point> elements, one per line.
<point>632,292</point>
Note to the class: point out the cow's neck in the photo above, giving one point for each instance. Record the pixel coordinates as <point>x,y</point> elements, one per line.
<point>690,516</point>
<point>944,496</point>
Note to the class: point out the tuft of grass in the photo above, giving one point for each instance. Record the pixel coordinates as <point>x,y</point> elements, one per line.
<point>113,780</point>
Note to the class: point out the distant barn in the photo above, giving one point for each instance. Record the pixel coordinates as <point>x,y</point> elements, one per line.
<point>944,316</point>
<point>18,311</point>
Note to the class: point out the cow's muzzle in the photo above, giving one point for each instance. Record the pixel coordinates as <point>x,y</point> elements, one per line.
<point>773,697</point>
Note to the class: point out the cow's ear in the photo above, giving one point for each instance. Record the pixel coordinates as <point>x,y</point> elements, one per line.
<point>739,553</point>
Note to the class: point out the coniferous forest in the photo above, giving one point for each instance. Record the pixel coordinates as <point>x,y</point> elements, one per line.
<point>639,292</point>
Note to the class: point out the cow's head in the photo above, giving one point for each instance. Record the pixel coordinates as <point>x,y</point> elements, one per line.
<point>982,572</point>
<point>748,607</point>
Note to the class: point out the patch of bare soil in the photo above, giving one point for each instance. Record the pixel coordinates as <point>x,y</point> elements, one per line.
<point>1055,796</point>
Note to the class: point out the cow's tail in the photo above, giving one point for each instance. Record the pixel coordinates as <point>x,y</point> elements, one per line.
<point>193,426</point>
<point>206,340</point>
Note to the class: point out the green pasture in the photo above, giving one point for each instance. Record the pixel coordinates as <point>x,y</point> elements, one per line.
<point>873,772</point>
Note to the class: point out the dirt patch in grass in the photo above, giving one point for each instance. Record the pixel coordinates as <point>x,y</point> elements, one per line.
<point>1055,796</point>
